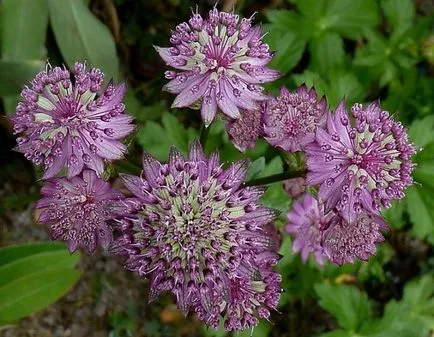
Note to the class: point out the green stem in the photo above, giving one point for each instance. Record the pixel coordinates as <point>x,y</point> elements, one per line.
<point>276,178</point>
<point>204,135</point>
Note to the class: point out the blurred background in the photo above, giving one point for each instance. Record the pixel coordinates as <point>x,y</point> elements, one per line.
<point>359,50</point>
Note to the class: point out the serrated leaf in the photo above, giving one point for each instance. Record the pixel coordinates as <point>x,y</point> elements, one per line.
<point>35,263</point>
<point>421,131</point>
<point>152,138</point>
<point>327,52</point>
<point>157,139</point>
<point>348,304</point>
<point>14,74</point>
<point>399,13</point>
<point>288,54</point>
<point>34,292</point>
<point>351,18</point>
<point>82,37</point>
<point>420,205</point>
<point>14,252</point>
<point>175,131</point>
<point>394,214</point>
<point>255,168</point>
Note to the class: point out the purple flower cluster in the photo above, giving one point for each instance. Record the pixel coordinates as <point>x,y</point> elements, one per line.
<point>194,228</point>
<point>69,124</point>
<point>360,166</point>
<point>77,210</point>
<point>291,119</point>
<point>330,236</point>
<point>198,233</point>
<point>220,61</point>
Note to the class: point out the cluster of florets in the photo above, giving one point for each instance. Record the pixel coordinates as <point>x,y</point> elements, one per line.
<point>192,227</point>
<point>221,62</point>
<point>198,233</point>
<point>67,123</point>
<point>359,167</point>
<point>77,210</point>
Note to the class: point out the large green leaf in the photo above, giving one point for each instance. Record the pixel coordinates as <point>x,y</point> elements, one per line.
<point>34,292</point>
<point>399,13</point>
<point>351,18</point>
<point>36,263</point>
<point>11,253</point>
<point>421,131</point>
<point>14,74</point>
<point>288,54</point>
<point>348,304</point>
<point>82,37</point>
<point>420,204</point>
<point>23,26</point>
<point>327,52</point>
<point>157,139</point>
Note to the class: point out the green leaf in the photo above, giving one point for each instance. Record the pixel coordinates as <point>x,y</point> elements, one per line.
<point>288,54</point>
<point>312,79</point>
<point>420,205</point>
<point>175,131</point>
<point>349,305</point>
<point>14,252</point>
<point>399,13</point>
<point>255,168</point>
<point>157,139</point>
<point>23,27</point>
<point>394,214</point>
<point>34,292</point>
<point>418,294</point>
<point>35,263</point>
<point>327,52</point>
<point>421,131</point>
<point>82,37</point>
<point>14,74</point>
<point>263,329</point>
<point>312,9</point>
<point>337,333</point>
<point>351,18</point>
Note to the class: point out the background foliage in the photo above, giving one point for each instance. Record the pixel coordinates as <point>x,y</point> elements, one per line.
<point>359,50</point>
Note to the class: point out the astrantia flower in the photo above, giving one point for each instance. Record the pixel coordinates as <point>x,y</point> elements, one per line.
<point>345,241</point>
<point>77,209</point>
<point>66,124</point>
<point>244,132</point>
<point>360,167</point>
<point>295,187</point>
<point>307,222</point>
<point>221,61</point>
<point>291,119</point>
<point>202,236</point>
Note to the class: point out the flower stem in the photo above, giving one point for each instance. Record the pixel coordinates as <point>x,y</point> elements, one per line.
<point>204,135</point>
<point>276,178</point>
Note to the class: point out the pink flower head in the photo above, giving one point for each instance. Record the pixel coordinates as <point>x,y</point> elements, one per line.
<point>199,233</point>
<point>291,119</point>
<point>77,210</point>
<point>360,166</point>
<point>244,131</point>
<point>65,123</point>
<point>307,222</point>
<point>345,241</point>
<point>220,60</point>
